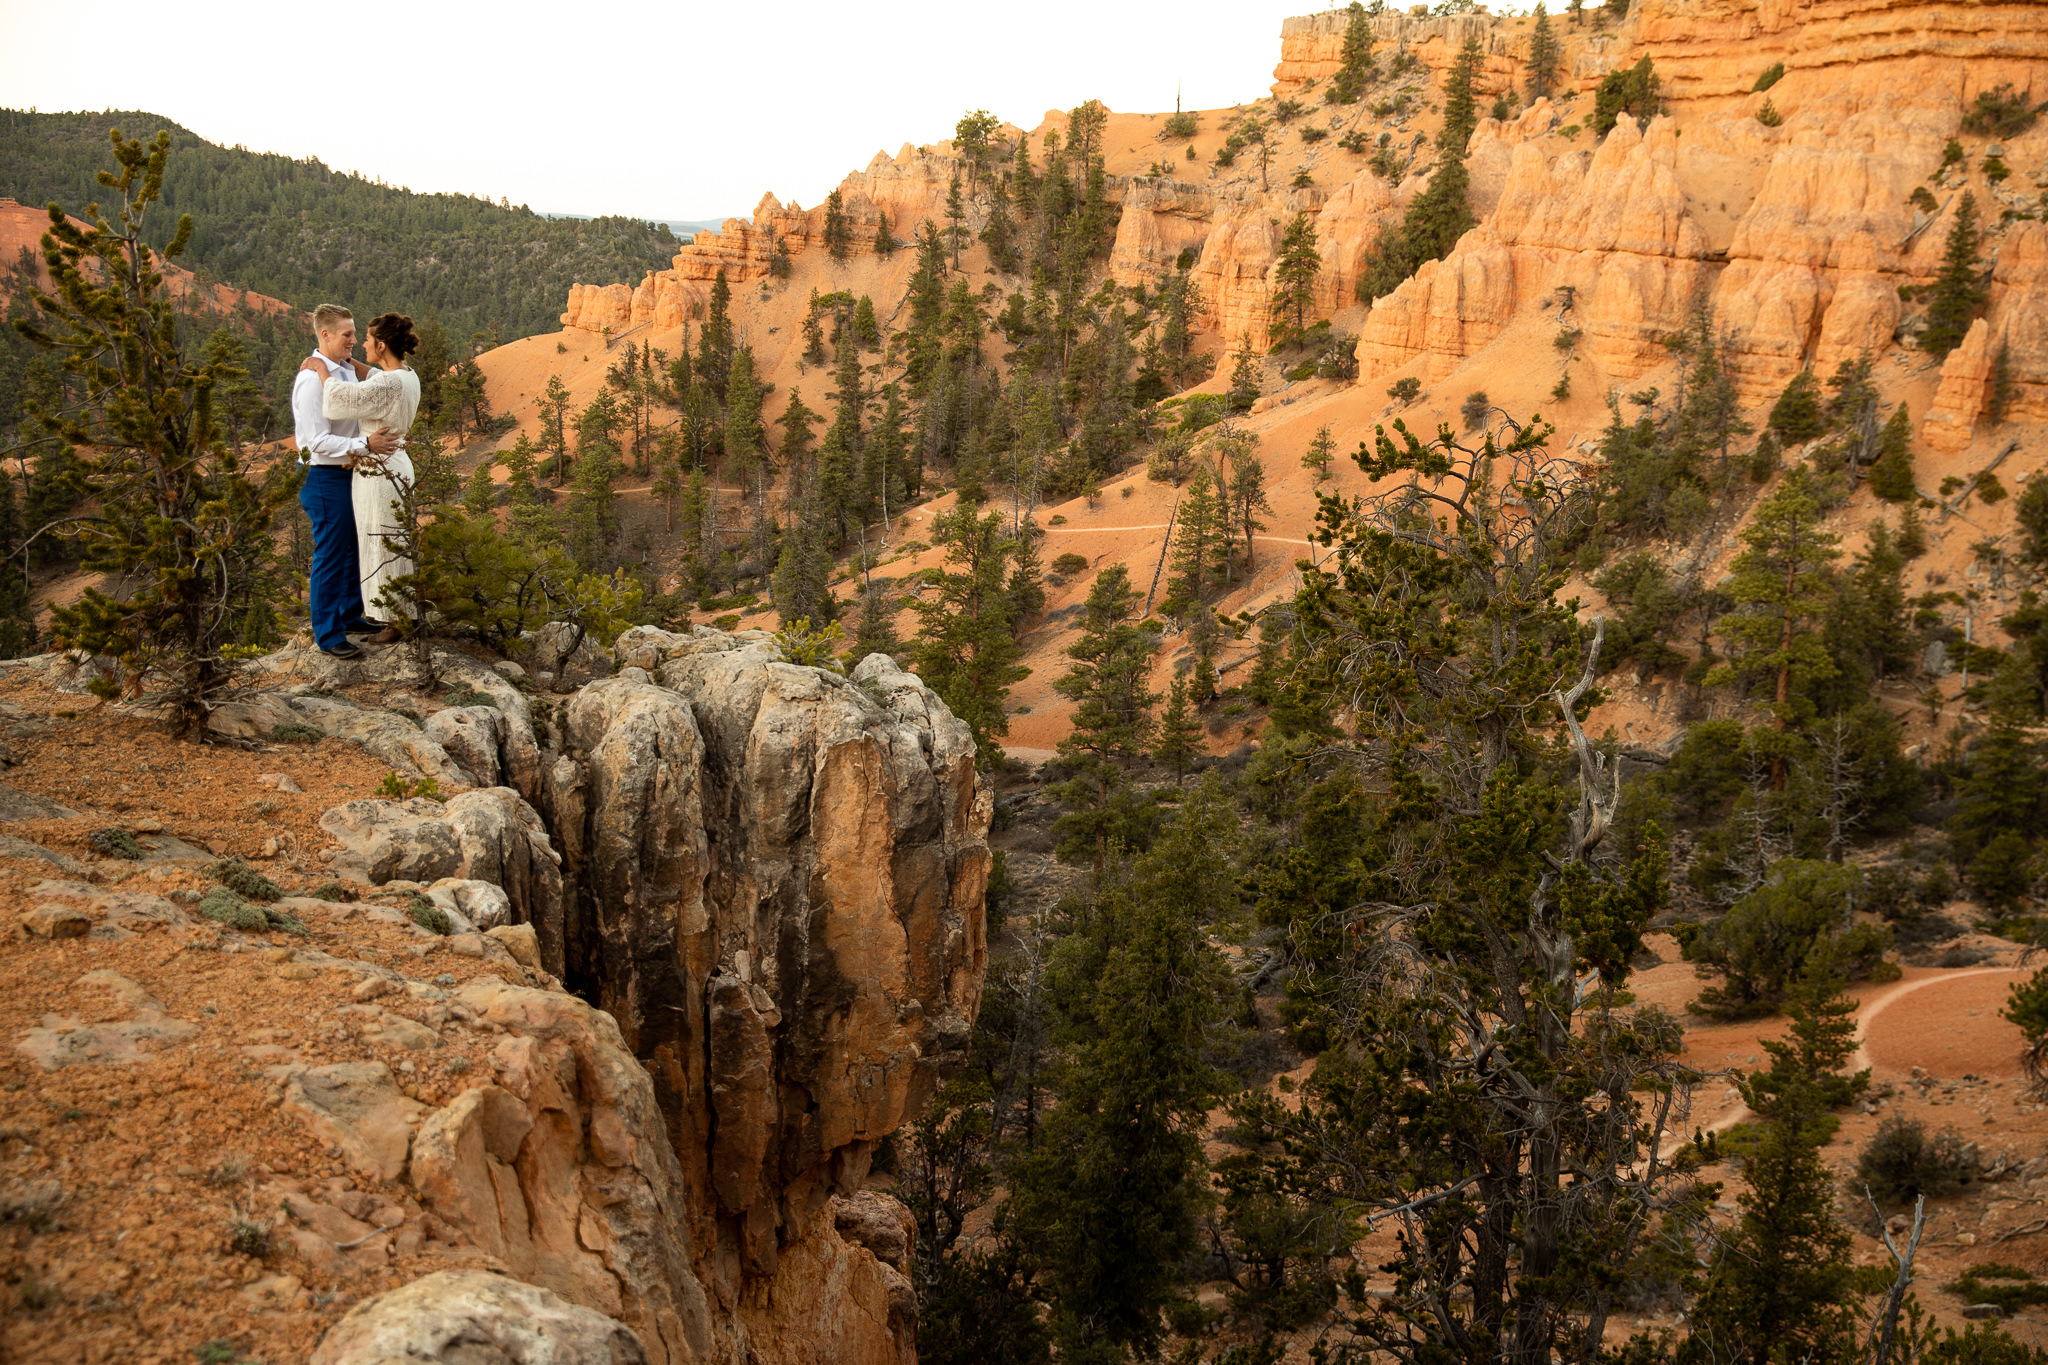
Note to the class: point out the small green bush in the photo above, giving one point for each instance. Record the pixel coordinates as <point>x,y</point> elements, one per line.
<point>462,695</point>
<point>223,906</point>
<point>2017,1288</point>
<point>1181,125</point>
<point>1405,390</point>
<point>332,891</point>
<point>1770,937</point>
<point>248,1237</point>
<point>2000,113</point>
<point>1902,1162</point>
<point>1773,73</point>
<point>244,880</point>
<point>115,843</point>
<point>1069,563</point>
<point>296,733</point>
<point>1767,114</point>
<point>429,916</point>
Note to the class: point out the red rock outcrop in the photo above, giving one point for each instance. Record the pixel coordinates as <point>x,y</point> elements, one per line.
<point>1965,376</point>
<point>1312,45</point>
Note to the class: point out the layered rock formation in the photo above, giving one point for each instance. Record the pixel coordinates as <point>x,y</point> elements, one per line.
<point>773,880</point>
<point>769,880</point>
<point>1312,46</point>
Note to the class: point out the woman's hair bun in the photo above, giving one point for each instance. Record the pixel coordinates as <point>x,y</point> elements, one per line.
<point>394,332</point>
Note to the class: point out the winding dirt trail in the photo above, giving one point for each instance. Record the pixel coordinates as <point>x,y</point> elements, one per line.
<point>1929,1043</point>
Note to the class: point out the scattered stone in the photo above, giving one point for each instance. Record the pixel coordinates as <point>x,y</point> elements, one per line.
<point>463,1315</point>
<point>11,847</point>
<point>62,1041</point>
<point>478,903</point>
<point>357,1107</point>
<point>298,971</point>
<point>149,826</point>
<point>56,921</point>
<point>370,987</point>
<point>280,782</point>
<point>508,670</point>
<point>1978,1312</point>
<point>16,804</point>
<point>520,941</point>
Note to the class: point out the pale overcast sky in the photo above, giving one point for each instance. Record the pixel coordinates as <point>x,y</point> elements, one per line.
<point>624,106</point>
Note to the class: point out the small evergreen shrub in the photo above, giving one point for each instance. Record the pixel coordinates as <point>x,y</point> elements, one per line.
<point>1773,73</point>
<point>1767,114</point>
<point>332,891</point>
<point>1405,390</point>
<point>2000,113</point>
<point>1902,1162</point>
<point>1069,563</point>
<point>1181,125</point>
<point>2008,1286</point>
<point>115,843</point>
<point>429,916</point>
<point>295,733</point>
<point>244,880</point>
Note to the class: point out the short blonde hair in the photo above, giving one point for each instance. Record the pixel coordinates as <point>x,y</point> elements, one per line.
<point>329,315</point>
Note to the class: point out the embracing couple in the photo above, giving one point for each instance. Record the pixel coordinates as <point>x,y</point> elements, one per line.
<point>350,420</point>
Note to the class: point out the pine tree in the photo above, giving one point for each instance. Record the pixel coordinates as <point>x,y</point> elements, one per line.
<point>1026,588</point>
<point>999,233</point>
<point>877,631</point>
<point>1294,277</point>
<point>1355,68</point>
<point>1891,478</point>
<point>1179,739</point>
<point>1461,98</point>
<point>1247,498</point>
<point>554,436</point>
<point>1244,377</point>
<point>1195,541</point>
<point>1782,585</point>
<point>668,486</point>
<point>1111,1193</point>
<point>714,343</point>
<point>745,439</point>
<point>1958,292</point>
<point>956,216</point>
<point>867,333</point>
<point>885,240</point>
<point>1781,1285</point>
<point>480,494</point>
<point>965,651</point>
<point>838,229</point>
<point>591,521</point>
<point>1112,718</point>
<point>814,331</point>
<point>1430,228</point>
<point>1544,54</point>
<point>178,525</point>
<point>1319,453</point>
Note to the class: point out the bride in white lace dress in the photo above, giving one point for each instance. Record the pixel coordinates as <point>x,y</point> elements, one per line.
<point>385,400</point>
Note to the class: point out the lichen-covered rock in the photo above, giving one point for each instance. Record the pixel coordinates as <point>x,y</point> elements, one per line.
<point>473,1317</point>
<point>491,836</point>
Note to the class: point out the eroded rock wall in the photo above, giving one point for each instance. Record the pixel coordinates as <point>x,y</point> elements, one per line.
<point>773,880</point>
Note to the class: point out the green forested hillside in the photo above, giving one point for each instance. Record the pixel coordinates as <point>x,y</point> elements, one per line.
<point>304,233</point>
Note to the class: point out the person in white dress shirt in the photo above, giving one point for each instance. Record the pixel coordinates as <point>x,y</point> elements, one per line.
<point>383,402</point>
<point>330,450</point>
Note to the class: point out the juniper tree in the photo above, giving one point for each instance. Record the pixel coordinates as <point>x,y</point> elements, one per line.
<point>1294,278</point>
<point>1797,416</point>
<point>179,527</point>
<point>1958,292</point>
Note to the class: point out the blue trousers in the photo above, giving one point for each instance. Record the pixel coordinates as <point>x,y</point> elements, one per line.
<point>337,587</point>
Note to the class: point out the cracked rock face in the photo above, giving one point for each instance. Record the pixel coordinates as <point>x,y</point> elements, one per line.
<point>773,880</point>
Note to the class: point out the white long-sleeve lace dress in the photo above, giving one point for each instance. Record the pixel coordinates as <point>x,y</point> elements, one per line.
<point>385,401</point>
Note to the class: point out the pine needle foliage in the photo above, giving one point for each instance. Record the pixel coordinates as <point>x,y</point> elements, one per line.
<point>177,515</point>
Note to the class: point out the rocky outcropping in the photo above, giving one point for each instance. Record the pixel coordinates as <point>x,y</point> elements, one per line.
<point>462,1316</point>
<point>773,879</point>
<point>768,881</point>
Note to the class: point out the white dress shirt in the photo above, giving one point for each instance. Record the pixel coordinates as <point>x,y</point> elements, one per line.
<point>323,441</point>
